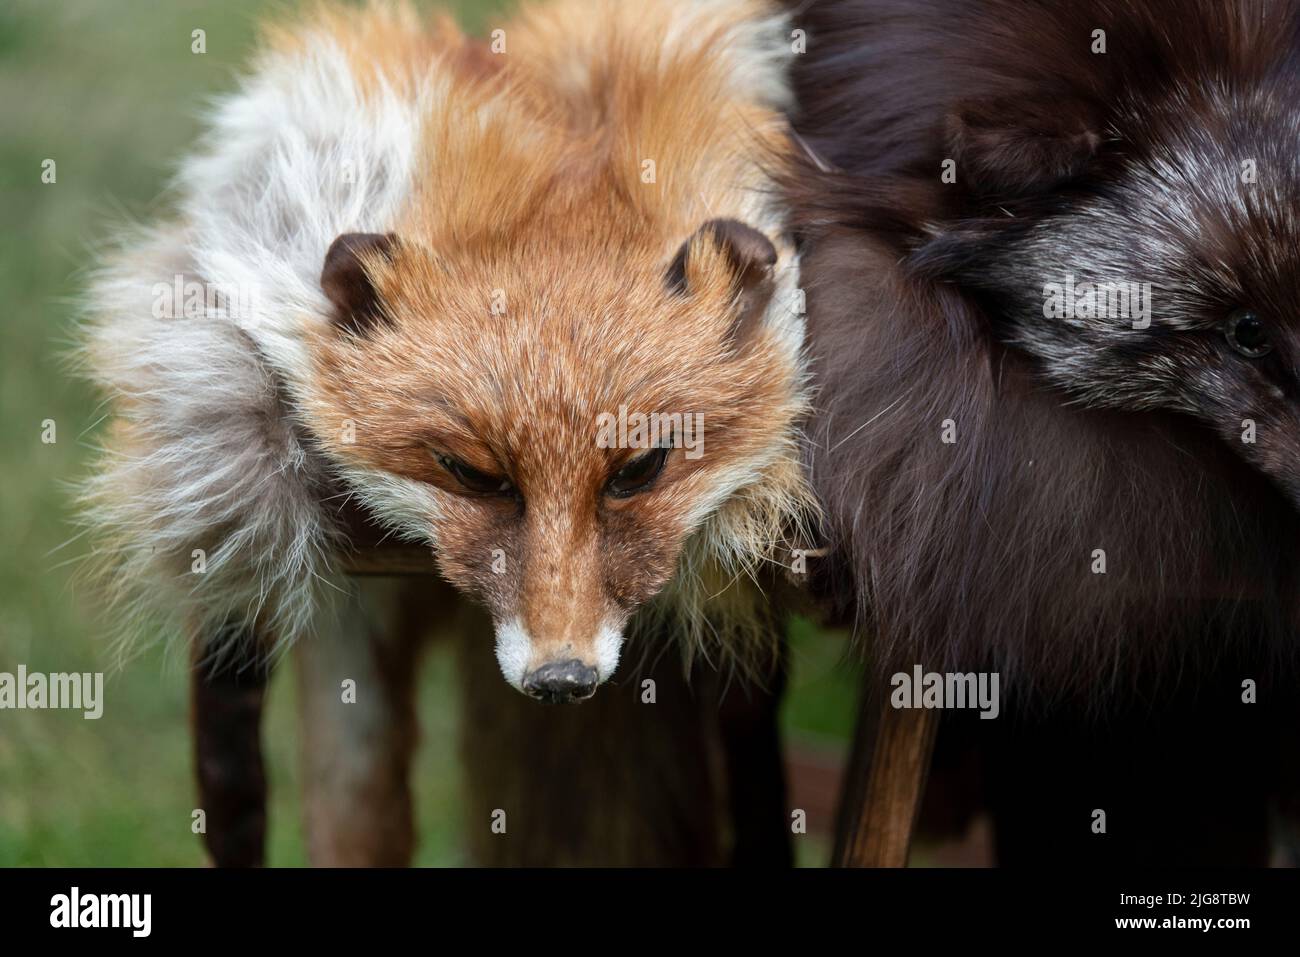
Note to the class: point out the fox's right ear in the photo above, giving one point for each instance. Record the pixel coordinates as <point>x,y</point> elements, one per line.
<point>347,279</point>
<point>749,259</point>
<point>1048,144</point>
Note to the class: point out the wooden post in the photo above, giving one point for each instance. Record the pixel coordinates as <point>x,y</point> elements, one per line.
<point>226,702</point>
<point>884,784</point>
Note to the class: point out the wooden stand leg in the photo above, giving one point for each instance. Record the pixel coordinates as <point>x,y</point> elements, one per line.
<point>884,785</point>
<point>226,716</point>
<point>357,750</point>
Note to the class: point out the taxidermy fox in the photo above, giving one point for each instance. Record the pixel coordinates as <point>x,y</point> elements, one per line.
<point>528,302</point>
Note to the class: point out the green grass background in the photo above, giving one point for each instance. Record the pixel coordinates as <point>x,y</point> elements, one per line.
<point>110,90</point>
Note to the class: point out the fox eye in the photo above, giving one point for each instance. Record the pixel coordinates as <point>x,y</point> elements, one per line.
<point>1246,333</point>
<point>473,479</point>
<point>638,474</point>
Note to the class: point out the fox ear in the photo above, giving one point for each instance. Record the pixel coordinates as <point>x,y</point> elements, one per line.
<point>749,259</point>
<point>1046,146</point>
<point>347,279</point>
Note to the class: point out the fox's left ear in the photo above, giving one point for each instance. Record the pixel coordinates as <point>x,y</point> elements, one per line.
<point>726,250</point>
<point>347,280</point>
<point>1049,143</point>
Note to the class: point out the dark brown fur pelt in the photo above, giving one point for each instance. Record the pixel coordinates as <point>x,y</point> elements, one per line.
<point>979,553</point>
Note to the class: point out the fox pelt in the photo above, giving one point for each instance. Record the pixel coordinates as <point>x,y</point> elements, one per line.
<point>571,161</point>
<point>1067,501</point>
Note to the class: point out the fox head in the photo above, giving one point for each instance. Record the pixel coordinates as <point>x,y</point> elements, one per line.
<point>555,418</point>
<point>1143,251</point>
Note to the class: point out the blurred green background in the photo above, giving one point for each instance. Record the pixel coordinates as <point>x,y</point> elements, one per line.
<point>111,91</point>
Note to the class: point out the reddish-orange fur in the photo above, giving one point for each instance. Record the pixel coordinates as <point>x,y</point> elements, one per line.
<point>526,295</point>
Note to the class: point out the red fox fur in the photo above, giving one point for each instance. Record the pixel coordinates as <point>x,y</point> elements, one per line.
<point>432,269</point>
<point>512,224</point>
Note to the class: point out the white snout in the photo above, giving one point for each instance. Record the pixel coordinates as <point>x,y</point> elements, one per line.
<point>516,656</point>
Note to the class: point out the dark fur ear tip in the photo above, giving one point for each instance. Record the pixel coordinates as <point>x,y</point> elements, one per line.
<point>745,246</point>
<point>751,254</point>
<point>752,258</point>
<point>347,284</point>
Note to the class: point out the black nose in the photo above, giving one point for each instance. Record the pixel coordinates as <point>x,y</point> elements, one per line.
<point>561,682</point>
